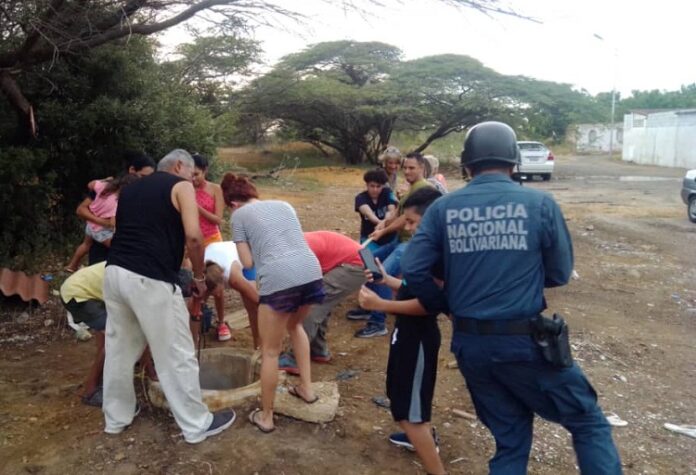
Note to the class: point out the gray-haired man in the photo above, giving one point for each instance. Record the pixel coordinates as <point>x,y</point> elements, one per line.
<point>156,218</point>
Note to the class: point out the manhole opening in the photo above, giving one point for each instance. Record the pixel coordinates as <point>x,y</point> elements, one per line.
<point>225,371</point>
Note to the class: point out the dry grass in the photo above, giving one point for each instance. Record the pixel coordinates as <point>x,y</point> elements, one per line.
<point>255,158</point>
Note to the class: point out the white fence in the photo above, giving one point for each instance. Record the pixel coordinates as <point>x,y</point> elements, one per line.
<point>666,139</point>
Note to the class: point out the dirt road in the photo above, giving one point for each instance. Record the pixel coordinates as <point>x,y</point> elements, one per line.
<point>632,313</point>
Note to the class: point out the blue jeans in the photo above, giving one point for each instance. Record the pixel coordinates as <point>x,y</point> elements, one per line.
<point>390,256</point>
<point>509,382</point>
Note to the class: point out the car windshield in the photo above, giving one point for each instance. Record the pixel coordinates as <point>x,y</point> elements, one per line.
<point>532,147</point>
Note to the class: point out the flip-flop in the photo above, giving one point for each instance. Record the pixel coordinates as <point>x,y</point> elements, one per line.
<point>292,390</point>
<point>253,420</point>
<point>615,420</point>
<point>687,430</point>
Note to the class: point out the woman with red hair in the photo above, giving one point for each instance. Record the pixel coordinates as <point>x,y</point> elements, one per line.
<point>268,236</point>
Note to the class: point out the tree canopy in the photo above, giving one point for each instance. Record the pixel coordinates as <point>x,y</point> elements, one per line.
<point>351,96</point>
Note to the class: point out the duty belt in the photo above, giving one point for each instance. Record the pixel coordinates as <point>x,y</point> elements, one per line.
<point>475,326</point>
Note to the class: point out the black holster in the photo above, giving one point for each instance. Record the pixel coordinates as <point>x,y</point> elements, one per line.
<point>551,334</point>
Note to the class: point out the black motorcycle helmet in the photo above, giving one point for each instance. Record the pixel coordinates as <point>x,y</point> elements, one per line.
<point>490,142</point>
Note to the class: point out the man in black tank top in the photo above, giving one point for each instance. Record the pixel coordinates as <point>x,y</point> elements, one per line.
<point>155,220</point>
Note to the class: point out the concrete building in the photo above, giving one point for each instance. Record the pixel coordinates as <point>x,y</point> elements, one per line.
<point>596,138</point>
<point>660,137</point>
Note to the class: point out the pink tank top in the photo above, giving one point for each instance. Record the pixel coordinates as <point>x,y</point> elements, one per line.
<point>102,206</point>
<point>207,202</point>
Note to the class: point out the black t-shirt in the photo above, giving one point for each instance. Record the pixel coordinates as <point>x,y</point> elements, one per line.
<point>149,238</point>
<point>386,198</point>
<point>412,321</point>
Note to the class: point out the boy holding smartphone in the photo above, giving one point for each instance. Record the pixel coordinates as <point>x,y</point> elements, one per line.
<point>413,353</point>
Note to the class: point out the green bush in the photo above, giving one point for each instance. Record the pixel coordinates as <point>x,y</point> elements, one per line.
<point>89,109</point>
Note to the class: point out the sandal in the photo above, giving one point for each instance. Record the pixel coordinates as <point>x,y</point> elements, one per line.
<point>254,420</point>
<point>292,390</point>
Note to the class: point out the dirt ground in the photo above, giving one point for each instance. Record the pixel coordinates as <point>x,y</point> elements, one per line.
<point>632,312</point>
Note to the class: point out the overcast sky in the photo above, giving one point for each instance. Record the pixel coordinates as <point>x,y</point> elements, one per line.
<point>646,45</point>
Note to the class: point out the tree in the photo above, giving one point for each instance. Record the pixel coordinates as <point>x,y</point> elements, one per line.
<point>36,33</point>
<point>448,93</point>
<point>40,32</point>
<point>112,99</point>
<point>549,107</point>
<point>333,95</point>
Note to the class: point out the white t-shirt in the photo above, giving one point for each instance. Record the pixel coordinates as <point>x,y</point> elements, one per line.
<point>223,254</point>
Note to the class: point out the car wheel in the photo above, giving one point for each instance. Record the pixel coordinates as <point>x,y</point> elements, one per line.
<point>691,210</point>
<point>546,176</point>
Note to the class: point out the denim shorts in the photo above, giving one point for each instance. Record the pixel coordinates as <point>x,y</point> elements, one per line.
<point>290,300</point>
<point>90,312</point>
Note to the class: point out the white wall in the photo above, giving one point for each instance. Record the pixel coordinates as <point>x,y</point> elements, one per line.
<point>665,139</point>
<point>590,138</point>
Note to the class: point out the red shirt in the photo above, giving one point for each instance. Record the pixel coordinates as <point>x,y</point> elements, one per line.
<point>333,249</point>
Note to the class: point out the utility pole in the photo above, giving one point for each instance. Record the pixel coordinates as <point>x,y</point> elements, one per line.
<point>612,129</point>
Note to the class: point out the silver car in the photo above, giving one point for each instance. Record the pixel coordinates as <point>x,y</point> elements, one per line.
<point>688,194</point>
<point>536,159</point>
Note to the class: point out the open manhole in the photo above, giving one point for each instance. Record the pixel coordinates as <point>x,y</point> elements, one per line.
<point>229,377</point>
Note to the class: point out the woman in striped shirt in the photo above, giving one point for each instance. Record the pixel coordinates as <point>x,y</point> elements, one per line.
<point>268,235</point>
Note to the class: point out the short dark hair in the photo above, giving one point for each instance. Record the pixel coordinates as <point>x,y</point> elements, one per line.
<point>417,157</point>
<point>138,160</point>
<point>421,199</point>
<point>200,161</point>
<point>378,175</point>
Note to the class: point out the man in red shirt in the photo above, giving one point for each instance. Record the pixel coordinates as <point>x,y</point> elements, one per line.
<point>343,275</point>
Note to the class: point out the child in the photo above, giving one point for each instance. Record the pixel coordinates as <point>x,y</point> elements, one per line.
<point>375,205</point>
<point>221,259</point>
<point>413,353</point>
<point>82,296</point>
<point>104,209</point>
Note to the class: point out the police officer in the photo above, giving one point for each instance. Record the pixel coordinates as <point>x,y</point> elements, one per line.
<point>501,244</point>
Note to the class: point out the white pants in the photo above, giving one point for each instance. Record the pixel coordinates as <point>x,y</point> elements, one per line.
<point>146,311</point>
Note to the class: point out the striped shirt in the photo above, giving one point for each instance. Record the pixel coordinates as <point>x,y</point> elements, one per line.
<point>281,255</point>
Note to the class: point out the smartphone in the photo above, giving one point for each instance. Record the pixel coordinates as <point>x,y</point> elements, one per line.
<point>370,263</point>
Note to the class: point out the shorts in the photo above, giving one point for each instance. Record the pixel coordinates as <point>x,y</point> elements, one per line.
<point>215,237</point>
<point>290,300</point>
<point>90,312</point>
<point>102,235</point>
<point>412,368</point>
<point>185,280</point>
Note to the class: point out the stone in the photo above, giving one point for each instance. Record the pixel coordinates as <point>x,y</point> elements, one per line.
<point>48,322</point>
<point>22,318</point>
<point>119,456</point>
<point>83,334</point>
<point>633,273</point>
<point>324,410</point>
<point>346,375</point>
<point>237,320</point>
<point>463,414</point>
